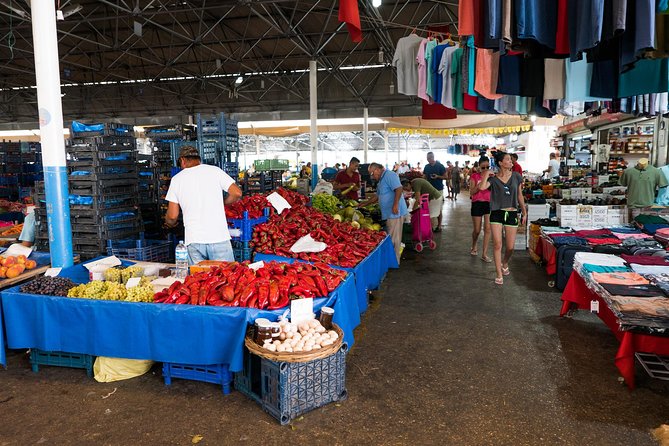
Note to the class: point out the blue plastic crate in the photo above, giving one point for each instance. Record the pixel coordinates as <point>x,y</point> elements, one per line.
<point>241,250</point>
<point>61,359</point>
<point>214,373</point>
<point>290,389</point>
<point>142,249</point>
<point>246,225</point>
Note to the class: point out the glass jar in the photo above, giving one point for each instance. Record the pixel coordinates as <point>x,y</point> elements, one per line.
<point>263,331</point>
<point>275,330</point>
<point>327,314</point>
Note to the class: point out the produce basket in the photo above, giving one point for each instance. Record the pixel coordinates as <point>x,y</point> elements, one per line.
<point>295,356</point>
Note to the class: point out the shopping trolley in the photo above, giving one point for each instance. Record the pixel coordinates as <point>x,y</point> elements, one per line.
<point>422,225</point>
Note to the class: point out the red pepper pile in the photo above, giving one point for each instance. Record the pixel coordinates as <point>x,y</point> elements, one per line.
<point>269,288</point>
<point>293,198</point>
<point>347,246</point>
<point>254,204</point>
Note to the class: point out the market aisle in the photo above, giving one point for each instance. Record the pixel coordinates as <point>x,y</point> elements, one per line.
<point>443,357</point>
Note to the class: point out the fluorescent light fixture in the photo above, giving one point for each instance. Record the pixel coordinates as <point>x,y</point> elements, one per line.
<point>239,80</point>
<point>19,133</point>
<point>307,123</point>
<point>376,3</point>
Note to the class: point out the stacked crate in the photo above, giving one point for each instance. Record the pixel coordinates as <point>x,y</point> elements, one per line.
<point>218,139</point>
<point>104,191</point>
<point>21,167</point>
<point>149,194</point>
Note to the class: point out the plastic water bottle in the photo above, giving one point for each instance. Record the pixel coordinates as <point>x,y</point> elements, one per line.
<point>181,257</point>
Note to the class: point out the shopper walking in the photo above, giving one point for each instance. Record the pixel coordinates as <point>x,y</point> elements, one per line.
<point>516,167</point>
<point>553,171</point>
<point>435,172</point>
<point>480,210</point>
<point>455,181</point>
<point>449,170</point>
<point>420,186</point>
<point>506,198</point>
<point>393,207</point>
<point>198,192</point>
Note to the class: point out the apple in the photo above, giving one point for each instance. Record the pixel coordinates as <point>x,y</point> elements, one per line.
<point>21,259</point>
<point>30,264</point>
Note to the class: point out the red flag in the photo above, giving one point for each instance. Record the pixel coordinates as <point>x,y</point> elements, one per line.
<point>348,13</point>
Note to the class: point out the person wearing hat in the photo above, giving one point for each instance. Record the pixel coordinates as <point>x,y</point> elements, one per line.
<point>642,181</point>
<point>197,191</point>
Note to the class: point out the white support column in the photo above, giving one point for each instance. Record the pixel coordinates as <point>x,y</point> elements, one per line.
<point>313,116</point>
<point>385,145</point>
<point>45,44</point>
<point>365,133</point>
<point>399,147</point>
<point>257,145</point>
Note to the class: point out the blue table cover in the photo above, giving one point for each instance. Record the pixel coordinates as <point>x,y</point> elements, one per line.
<point>369,273</point>
<point>42,259</point>
<point>186,334</point>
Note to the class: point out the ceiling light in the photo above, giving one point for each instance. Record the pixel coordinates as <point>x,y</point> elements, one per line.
<point>72,9</point>
<point>239,80</point>
<point>376,3</point>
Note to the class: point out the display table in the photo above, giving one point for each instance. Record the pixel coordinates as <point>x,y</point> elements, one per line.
<point>577,294</point>
<point>43,260</point>
<point>369,273</point>
<point>546,250</point>
<point>161,332</point>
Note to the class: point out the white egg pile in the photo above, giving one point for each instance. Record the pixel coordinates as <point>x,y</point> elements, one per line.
<point>305,337</point>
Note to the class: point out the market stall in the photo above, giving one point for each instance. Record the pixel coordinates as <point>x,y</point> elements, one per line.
<point>191,334</point>
<point>638,323</point>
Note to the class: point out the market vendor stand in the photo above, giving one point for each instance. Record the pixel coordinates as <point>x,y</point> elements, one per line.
<point>578,295</point>
<point>160,332</point>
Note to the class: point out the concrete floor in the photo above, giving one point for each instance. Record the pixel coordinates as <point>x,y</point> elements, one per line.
<point>443,357</point>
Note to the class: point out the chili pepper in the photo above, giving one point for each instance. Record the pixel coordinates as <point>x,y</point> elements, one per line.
<point>322,286</point>
<point>307,281</point>
<point>253,302</point>
<point>273,292</point>
<point>213,297</point>
<point>246,294</point>
<point>183,299</point>
<point>301,291</point>
<point>228,293</point>
<point>281,303</point>
<point>263,296</point>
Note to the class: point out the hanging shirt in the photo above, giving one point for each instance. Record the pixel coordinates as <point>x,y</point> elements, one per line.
<point>447,79</point>
<point>456,60</point>
<point>532,77</point>
<point>422,72</point>
<point>562,28</point>
<point>578,75</point>
<point>604,80</point>
<point>507,19</point>
<point>431,82</point>
<point>585,25</point>
<point>487,68</point>
<point>471,67</point>
<point>436,61</point>
<point>536,20</point>
<point>466,18</point>
<point>495,19</point>
<point>405,62</point>
<point>640,19</point>
<point>663,194</point>
<point>508,80</point>
<point>647,76</point>
<point>641,185</point>
<point>554,79</point>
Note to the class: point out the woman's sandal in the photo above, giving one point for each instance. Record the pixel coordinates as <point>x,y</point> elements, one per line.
<point>474,252</point>
<point>499,280</point>
<point>486,259</point>
<point>505,271</point>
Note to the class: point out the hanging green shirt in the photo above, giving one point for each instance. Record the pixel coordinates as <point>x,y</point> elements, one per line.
<point>421,186</point>
<point>641,185</point>
<point>456,75</point>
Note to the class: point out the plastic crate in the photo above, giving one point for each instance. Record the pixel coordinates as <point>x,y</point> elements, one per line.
<point>279,164</point>
<point>79,129</point>
<point>214,373</point>
<point>245,225</point>
<point>142,249</point>
<point>288,390</point>
<point>242,251</point>
<point>61,359</point>
<point>261,165</point>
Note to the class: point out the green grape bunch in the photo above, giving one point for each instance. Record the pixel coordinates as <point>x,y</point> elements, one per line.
<point>140,293</point>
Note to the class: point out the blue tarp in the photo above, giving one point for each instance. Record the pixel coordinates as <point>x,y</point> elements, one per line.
<point>161,332</point>
<point>368,274</point>
<point>42,259</point>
